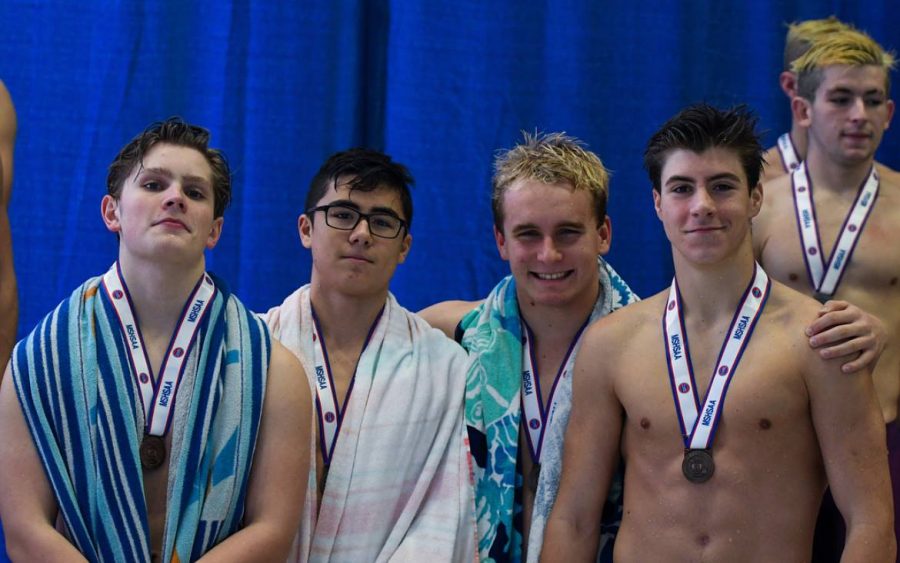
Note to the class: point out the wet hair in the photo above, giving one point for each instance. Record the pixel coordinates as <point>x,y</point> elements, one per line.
<point>847,47</point>
<point>551,159</point>
<point>366,170</point>
<point>701,127</point>
<point>172,131</point>
<point>801,36</point>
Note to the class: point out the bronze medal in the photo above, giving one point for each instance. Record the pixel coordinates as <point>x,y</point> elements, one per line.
<point>698,465</point>
<point>153,452</point>
<point>821,297</point>
<point>534,477</point>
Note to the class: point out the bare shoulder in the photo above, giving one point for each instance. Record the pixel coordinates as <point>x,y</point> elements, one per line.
<point>445,316</point>
<point>8,123</point>
<point>787,314</point>
<point>284,373</point>
<point>627,327</point>
<point>888,175</point>
<point>773,167</point>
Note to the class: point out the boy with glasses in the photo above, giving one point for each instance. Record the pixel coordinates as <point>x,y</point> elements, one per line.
<point>389,479</point>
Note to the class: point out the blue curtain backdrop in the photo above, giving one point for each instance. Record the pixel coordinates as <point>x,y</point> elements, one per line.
<point>438,85</point>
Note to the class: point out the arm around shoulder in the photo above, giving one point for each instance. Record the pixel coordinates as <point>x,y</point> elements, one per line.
<point>590,455</point>
<point>445,316</point>
<point>278,480</point>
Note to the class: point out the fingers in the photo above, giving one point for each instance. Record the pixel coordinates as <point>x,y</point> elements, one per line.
<point>862,362</point>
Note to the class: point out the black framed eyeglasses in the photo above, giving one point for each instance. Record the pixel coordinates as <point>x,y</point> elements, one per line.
<point>343,218</point>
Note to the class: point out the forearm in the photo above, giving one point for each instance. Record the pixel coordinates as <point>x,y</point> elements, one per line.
<point>566,541</point>
<point>870,542</point>
<point>38,543</point>
<point>261,542</point>
<point>9,316</point>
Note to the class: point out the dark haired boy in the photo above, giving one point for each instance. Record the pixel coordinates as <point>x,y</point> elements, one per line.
<point>389,476</point>
<point>708,478</point>
<point>150,417</point>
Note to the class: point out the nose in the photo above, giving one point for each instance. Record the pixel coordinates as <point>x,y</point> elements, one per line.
<point>858,109</point>
<point>361,232</point>
<point>548,251</point>
<point>702,203</point>
<point>174,196</point>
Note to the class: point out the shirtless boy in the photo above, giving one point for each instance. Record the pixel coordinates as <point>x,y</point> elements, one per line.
<point>717,480</point>
<point>829,229</point>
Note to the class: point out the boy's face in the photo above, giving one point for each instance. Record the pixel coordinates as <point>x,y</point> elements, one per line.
<point>165,209</point>
<point>355,262</point>
<point>704,204</point>
<point>551,240</point>
<point>850,112</point>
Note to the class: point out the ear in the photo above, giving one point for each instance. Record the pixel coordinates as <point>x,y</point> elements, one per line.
<point>788,82</point>
<point>109,210</point>
<point>404,248</point>
<point>501,244</point>
<point>657,198</point>
<point>215,232</point>
<point>801,109</point>
<point>604,234</point>
<point>756,200</point>
<point>304,227</point>
<point>890,108</point>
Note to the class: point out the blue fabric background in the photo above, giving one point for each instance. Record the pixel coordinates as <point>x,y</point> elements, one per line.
<point>439,85</point>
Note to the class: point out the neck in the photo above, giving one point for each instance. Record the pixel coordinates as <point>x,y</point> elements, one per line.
<point>833,176</point>
<point>798,137</point>
<point>345,320</point>
<point>158,291</point>
<point>548,322</point>
<point>712,292</point>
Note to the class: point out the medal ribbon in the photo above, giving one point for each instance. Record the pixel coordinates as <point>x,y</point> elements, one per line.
<point>537,417</point>
<point>699,430</point>
<point>158,398</point>
<point>330,417</point>
<point>825,279</point>
<point>789,156</point>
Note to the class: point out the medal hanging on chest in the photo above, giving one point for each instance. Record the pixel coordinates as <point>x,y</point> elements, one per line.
<point>537,417</point>
<point>698,427</point>
<point>823,278</point>
<point>157,397</point>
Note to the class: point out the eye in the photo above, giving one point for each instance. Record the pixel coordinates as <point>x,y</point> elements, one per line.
<point>342,213</point>
<point>195,193</point>
<point>384,221</point>
<point>152,186</point>
<point>680,189</point>
<point>840,100</point>
<point>528,234</point>
<point>874,102</point>
<point>723,187</point>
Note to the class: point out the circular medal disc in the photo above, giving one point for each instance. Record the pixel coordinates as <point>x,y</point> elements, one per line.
<point>821,297</point>
<point>534,476</point>
<point>698,465</point>
<point>153,452</point>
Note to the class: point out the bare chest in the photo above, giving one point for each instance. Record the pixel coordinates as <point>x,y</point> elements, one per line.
<point>873,264</point>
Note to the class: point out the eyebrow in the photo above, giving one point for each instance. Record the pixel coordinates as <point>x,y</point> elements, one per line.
<point>377,209</point>
<point>849,90</point>
<point>713,178</point>
<point>168,174</point>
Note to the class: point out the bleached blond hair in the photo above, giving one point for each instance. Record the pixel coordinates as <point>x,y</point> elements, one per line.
<point>801,35</point>
<point>550,158</point>
<point>848,47</point>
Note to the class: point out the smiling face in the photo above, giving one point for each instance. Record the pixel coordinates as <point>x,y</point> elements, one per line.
<point>354,262</point>
<point>705,206</point>
<point>165,209</point>
<point>849,114</point>
<point>551,240</point>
